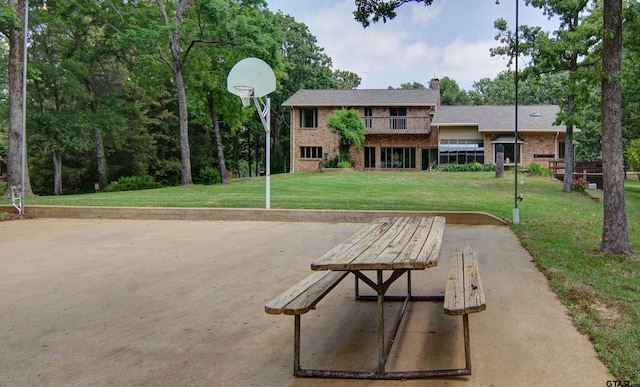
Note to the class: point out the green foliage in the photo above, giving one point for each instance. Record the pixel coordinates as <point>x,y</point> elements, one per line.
<point>580,185</point>
<point>168,172</point>
<point>535,169</point>
<point>348,125</point>
<point>340,161</point>
<point>470,167</point>
<point>209,176</point>
<point>451,94</point>
<point>632,154</point>
<point>133,183</point>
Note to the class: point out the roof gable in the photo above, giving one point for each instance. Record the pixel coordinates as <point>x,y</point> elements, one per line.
<point>363,97</point>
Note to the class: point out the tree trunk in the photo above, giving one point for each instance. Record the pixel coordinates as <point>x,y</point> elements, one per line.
<point>224,176</point>
<point>101,163</point>
<point>567,184</point>
<point>176,67</point>
<point>57,171</point>
<point>185,153</point>
<point>14,142</point>
<point>615,234</point>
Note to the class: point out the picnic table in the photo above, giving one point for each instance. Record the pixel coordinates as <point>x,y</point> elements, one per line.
<point>388,247</point>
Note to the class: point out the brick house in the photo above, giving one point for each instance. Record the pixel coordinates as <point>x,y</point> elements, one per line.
<point>409,130</point>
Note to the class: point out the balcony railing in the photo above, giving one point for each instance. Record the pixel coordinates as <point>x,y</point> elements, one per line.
<point>397,125</point>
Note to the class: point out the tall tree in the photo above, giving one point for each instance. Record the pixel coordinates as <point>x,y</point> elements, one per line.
<point>452,94</point>
<point>174,26</point>
<point>11,26</point>
<point>567,50</point>
<point>615,234</point>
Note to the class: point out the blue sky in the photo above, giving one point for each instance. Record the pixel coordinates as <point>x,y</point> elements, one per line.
<point>451,38</point>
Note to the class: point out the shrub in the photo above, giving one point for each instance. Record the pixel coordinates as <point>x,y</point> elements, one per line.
<point>168,172</point>
<point>209,176</point>
<point>535,169</point>
<point>471,167</point>
<point>580,185</point>
<point>345,164</point>
<point>133,183</point>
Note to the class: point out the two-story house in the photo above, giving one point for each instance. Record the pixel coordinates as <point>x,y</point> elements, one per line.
<point>409,130</point>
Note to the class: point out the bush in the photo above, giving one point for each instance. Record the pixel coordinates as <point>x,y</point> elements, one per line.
<point>535,169</point>
<point>168,172</point>
<point>471,167</point>
<point>209,176</point>
<point>345,164</point>
<point>580,185</point>
<point>338,162</point>
<point>133,183</point>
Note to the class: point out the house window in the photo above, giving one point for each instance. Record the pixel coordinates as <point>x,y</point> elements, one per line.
<point>508,152</point>
<point>397,157</point>
<point>461,151</point>
<point>369,157</point>
<point>398,118</point>
<point>368,113</point>
<point>308,118</point>
<point>561,150</point>
<point>310,152</point>
<point>429,158</point>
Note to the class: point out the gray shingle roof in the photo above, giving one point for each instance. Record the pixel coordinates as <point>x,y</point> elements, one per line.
<point>539,118</point>
<point>364,97</point>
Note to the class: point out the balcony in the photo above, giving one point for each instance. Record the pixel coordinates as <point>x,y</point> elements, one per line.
<point>397,125</point>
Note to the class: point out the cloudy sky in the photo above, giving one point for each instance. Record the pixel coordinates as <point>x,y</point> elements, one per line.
<point>451,38</point>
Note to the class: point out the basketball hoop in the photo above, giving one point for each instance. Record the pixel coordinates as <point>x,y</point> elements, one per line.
<point>245,93</point>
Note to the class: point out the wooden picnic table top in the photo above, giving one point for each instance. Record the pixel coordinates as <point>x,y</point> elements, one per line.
<point>388,243</point>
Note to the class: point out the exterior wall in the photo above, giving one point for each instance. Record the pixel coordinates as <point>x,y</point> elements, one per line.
<point>537,147</point>
<point>322,136</point>
<point>460,133</point>
<point>534,144</point>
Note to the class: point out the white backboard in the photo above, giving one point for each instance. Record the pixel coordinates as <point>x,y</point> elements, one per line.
<point>251,72</point>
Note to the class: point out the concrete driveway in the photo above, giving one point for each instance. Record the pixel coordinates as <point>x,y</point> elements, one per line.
<point>181,303</point>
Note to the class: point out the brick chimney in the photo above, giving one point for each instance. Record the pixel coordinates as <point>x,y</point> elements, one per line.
<point>435,84</point>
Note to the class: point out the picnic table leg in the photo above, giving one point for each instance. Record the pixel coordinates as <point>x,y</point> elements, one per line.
<point>296,346</point>
<point>381,351</point>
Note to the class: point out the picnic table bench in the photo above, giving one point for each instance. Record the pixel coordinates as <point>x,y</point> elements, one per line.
<point>399,245</point>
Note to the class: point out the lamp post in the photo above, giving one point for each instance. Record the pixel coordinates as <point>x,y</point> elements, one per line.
<point>516,198</point>
<point>23,144</point>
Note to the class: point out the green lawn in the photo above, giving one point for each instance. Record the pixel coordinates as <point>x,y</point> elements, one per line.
<point>561,231</point>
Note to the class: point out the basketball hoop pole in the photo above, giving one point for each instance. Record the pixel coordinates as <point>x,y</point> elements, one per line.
<point>252,78</point>
<point>264,111</point>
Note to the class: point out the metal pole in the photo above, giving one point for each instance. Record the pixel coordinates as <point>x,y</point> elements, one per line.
<point>267,162</point>
<point>23,152</point>
<point>516,210</point>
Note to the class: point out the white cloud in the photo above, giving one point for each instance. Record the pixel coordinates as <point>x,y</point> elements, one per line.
<point>450,38</point>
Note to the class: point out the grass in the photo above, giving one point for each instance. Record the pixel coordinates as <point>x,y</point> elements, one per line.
<point>561,231</point>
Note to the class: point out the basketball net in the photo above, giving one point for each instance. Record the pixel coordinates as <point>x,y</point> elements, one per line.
<point>246,92</point>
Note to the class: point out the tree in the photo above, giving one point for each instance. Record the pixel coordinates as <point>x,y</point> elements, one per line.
<point>368,11</point>
<point>615,234</point>
<point>452,94</point>
<point>348,125</point>
<point>176,63</point>
<point>632,155</point>
<point>11,21</point>
<point>568,50</point>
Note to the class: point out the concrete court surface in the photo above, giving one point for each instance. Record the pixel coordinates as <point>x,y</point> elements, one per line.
<point>181,303</point>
